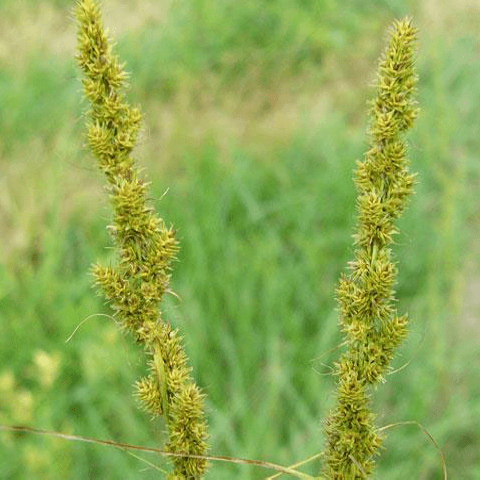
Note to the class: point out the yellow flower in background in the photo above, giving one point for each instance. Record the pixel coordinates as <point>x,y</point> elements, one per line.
<point>7,382</point>
<point>47,367</point>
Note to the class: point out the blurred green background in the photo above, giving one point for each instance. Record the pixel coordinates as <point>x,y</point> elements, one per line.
<point>255,113</point>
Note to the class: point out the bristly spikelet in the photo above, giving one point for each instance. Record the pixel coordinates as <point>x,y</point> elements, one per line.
<point>145,248</point>
<point>365,296</point>
<point>186,412</point>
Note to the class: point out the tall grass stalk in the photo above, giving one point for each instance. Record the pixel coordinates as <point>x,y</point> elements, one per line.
<point>145,247</point>
<point>368,317</point>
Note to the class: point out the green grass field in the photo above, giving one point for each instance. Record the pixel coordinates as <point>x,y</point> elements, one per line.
<point>255,113</point>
